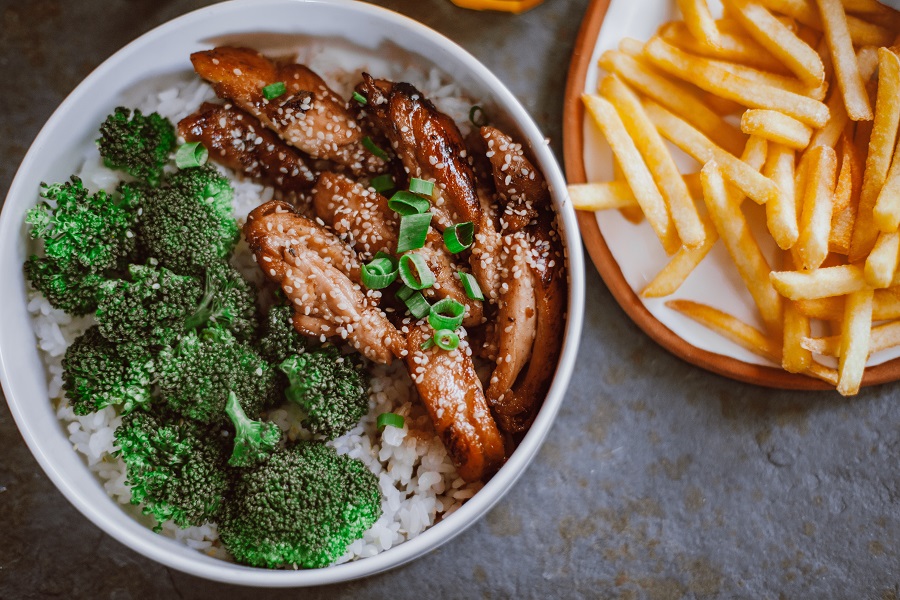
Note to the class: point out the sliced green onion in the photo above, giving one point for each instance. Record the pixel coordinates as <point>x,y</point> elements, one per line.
<point>423,277</point>
<point>446,313</point>
<point>477,116</point>
<point>192,154</point>
<point>446,339</point>
<point>470,284</point>
<point>427,344</point>
<point>420,186</point>
<point>415,302</point>
<point>407,203</point>
<point>273,90</point>
<point>382,183</point>
<point>371,147</point>
<point>380,272</point>
<point>360,98</point>
<point>413,232</point>
<point>392,419</point>
<point>459,237</point>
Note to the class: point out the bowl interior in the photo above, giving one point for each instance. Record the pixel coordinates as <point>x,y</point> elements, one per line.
<point>269,25</point>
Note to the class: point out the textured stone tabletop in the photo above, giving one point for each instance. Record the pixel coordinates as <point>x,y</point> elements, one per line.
<point>658,480</point>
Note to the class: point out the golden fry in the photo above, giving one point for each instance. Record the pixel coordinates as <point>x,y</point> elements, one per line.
<point>658,159</point>
<point>729,221</point>
<point>706,75</point>
<point>821,283</point>
<point>776,127</point>
<point>699,21</point>
<point>670,278</point>
<point>815,217</point>
<point>602,196</point>
<point>739,173</point>
<point>855,332</point>
<point>636,173</point>
<point>778,39</point>
<point>733,47</point>
<point>846,198</point>
<point>781,213</point>
<point>881,146</point>
<point>794,357</point>
<point>882,337</point>
<point>886,306</point>
<point>846,69</point>
<point>867,58</point>
<point>806,12</point>
<point>881,263</point>
<point>633,214</point>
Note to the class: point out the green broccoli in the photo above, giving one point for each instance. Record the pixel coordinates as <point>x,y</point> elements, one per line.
<point>140,146</point>
<point>279,339</point>
<point>175,467</point>
<point>98,373</point>
<point>228,300</point>
<point>254,441</point>
<point>197,375</point>
<point>304,506</point>
<point>188,223</point>
<point>86,238</point>
<point>331,389</point>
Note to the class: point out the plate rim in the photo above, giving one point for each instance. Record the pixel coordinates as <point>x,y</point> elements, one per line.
<point>608,268</point>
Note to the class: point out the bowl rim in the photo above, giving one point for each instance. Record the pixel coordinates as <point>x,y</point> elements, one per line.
<point>611,273</point>
<point>474,508</point>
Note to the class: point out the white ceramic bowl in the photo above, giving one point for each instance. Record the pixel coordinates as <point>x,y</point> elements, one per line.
<point>53,157</point>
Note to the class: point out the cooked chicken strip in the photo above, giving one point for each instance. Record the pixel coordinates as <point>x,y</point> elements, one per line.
<point>447,283</point>
<point>521,187</point>
<point>428,144</point>
<point>309,115</point>
<point>360,216</point>
<point>302,258</point>
<point>238,140</point>
<point>451,391</point>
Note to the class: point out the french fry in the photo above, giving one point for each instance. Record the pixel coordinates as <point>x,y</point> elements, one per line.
<point>602,196</point>
<point>744,335</point>
<point>778,39</point>
<point>794,357</point>
<point>675,96</point>
<point>821,283</point>
<point>874,11</point>
<point>863,33</point>
<point>670,278</point>
<point>635,171</point>
<point>882,260</point>
<point>886,306</point>
<point>713,78</point>
<point>782,82</point>
<point>699,21</point>
<point>867,58</point>
<point>776,127</point>
<point>881,146</point>
<point>818,198</point>
<point>846,198</point>
<point>729,221</point>
<point>633,214</point>
<point>834,22</point>
<point>658,159</point>
<point>855,332</point>
<point>733,46</point>
<point>882,337</point>
<point>781,213</point>
<point>806,12</point>
<point>739,173</point>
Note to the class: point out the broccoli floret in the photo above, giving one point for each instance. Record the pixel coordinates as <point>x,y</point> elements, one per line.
<point>140,146</point>
<point>152,308</point>
<point>331,389</point>
<point>228,300</point>
<point>280,339</point>
<point>188,224</point>
<point>197,375</point>
<point>254,441</point>
<point>303,507</point>
<point>98,373</point>
<point>175,467</point>
<point>86,238</point>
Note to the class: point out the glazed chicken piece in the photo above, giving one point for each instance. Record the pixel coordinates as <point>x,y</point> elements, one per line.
<point>447,283</point>
<point>360,217</point>
<point>450,389</point>
<point>301,257</point>
<point>521,188</point>
<point>309,115</point>
<point>238,140</point>
<point>429,145</point>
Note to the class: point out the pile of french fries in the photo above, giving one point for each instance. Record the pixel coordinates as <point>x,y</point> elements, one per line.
<point>794,105</point>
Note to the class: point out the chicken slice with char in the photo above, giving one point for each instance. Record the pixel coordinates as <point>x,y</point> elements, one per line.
<point>452,393</point>
<point>301,257</point>
<point>521,188</point>
<point>309,115</point>
<point>238,140</point>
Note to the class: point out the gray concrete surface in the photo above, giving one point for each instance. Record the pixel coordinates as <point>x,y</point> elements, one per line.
<point>659,480</point>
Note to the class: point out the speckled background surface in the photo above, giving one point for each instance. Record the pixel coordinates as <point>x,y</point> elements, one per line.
<point>657,481</point>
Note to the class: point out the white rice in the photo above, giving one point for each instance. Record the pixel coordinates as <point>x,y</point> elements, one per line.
<point>419,483</point>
